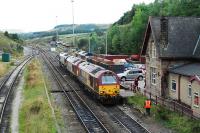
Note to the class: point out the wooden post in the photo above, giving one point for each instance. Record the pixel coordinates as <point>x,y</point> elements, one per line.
<point>150,95</point>
<point>182,110</point>
<point>156,100</point>
<point>162,101</point>
<point>174,106</point>
<point>191,113</point>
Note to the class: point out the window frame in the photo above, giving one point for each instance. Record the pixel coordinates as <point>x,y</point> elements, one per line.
<point>153,75</point>
<point>172,82</point>
<point>130,72</point>
<point>189,90</point>
<point>105,77</point>
<point>153,50</point>
<point>196,94</point>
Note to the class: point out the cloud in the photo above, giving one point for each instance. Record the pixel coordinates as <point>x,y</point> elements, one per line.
<point>35,15</point>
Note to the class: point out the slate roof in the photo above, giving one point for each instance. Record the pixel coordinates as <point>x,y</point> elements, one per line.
<point>183,34</point>
<point>197,50</point>
<point>187,69</point>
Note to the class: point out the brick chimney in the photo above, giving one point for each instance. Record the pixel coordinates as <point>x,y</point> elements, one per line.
<point>164,32</point>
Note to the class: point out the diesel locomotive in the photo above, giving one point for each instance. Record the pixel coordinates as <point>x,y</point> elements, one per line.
<point>101,83</point>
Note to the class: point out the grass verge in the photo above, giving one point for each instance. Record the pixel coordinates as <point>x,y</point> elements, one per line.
<point>35,113</point>
<point>5,67</point>
<point>170,119</point>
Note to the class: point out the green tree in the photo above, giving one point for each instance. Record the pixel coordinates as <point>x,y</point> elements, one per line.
<point>83,43</point>
<point>6,33</point>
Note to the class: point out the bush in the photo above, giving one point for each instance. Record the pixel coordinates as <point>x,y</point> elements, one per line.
<point>196,126</point>
<point>162,113</point>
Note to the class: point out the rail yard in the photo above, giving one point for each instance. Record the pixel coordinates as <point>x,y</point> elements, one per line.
<point>91,119</point>
<point>95,104</point>
<point>100,66</point>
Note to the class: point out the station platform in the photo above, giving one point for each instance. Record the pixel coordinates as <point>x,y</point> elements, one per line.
<point>126,93</point>
<point>126,88</point>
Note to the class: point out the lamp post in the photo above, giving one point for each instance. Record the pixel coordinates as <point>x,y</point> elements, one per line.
<point>106,43</point>
<point>73,21</point>
<point>89,44</point>
<point>56,29</point>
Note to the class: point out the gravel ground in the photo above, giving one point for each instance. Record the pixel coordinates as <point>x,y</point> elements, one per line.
<point>148,122</point>
<point>16,105</point>
<point>70,122</point>
<point>99,110</point>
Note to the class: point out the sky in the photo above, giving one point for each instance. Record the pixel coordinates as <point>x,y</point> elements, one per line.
<point>39,15</point>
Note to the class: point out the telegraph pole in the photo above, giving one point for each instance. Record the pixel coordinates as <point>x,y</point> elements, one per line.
<point>106,43</point>
<point>56,29</point>
<point>73,21</point>
<point>89,43</point>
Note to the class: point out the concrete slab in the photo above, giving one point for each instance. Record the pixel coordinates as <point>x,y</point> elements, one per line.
<point>126,93</point>
<point>127,84</point>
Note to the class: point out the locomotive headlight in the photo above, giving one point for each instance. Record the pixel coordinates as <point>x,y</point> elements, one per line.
<point>101,92</point>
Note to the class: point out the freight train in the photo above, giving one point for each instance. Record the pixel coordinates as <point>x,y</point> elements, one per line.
<point>105,61</point>
<point>101,83</point>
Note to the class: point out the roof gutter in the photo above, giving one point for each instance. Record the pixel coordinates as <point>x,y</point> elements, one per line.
<point>196,45</point>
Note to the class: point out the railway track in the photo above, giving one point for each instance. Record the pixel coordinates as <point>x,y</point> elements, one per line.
<point>124,122</point>
<point>5,94</point>
<point>130,124</point>
<point>90,122</point>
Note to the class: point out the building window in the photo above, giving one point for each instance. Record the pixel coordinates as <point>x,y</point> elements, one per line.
<point>173,85</point>
<point>189,90</point>
<point>153,52</point>
<point>196,99</point>
<point>153,75</point>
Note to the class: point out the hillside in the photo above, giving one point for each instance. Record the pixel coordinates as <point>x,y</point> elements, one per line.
<point>66,29</point>
<point>126,35</point>
<point>82,27</point>
<point>11,43</point>
<point>6,43</point>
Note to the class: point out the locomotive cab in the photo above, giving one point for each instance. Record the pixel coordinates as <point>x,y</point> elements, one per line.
<point>109,84</point>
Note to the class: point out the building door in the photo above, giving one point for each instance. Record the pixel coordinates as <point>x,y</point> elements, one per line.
<point>164,86</point>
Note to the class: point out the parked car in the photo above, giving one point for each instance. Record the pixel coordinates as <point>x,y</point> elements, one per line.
<point>129,66</point>
<point>131,74</point>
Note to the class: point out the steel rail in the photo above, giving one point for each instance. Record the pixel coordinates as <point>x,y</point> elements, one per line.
<point>86,116</point>
<point>123,121</point>
<point>3,85</point>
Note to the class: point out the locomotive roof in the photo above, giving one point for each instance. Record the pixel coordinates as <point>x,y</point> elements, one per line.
<point>63,54</point>
<point>78,61</point>
<point>82,52</point>
<point>93,69</point>
<point>100,72</point>
<point>72,59</point>
<point>90,68</point>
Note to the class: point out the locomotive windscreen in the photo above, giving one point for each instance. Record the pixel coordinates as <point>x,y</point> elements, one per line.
<point>109,80</point>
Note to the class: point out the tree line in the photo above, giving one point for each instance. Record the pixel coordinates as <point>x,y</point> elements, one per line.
<point>126,35</point>
<point>14,47</point>
<point>13,36</point>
